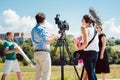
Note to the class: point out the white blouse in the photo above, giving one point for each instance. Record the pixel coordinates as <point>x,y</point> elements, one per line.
<point>94,44</point>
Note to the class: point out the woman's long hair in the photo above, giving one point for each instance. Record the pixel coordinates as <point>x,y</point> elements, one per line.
<point>89,20</point>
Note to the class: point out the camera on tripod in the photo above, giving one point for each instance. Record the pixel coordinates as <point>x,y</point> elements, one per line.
<point>62,25</point>
<point>63,44</point>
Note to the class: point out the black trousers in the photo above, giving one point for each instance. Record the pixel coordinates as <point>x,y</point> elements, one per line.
<point>90,59</point>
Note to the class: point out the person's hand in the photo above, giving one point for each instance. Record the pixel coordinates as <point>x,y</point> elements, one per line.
<point>17,50</point>
<point>82,29</point>
<point>50,35</point>
<point>57,36</point>
<point>101,56</point>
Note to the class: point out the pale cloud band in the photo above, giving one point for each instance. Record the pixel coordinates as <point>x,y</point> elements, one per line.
<point>12,21</point>
<point>110,29</point>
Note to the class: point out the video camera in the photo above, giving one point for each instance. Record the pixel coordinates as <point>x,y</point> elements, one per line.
<point>62,25</point>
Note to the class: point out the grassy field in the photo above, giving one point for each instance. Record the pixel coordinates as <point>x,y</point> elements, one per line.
<point>28,73</point>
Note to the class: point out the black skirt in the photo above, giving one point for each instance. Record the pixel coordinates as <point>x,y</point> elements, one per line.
<point>102,66</point>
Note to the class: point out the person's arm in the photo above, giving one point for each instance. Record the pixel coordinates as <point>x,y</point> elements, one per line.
<point>103,39</point>
<point>75,43</point>
<point>7,51</point>
<point>85,38</point>
<point>52,38</point>
<point>45,37</point>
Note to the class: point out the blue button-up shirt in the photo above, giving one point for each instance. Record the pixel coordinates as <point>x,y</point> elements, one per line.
<point>39,38</point>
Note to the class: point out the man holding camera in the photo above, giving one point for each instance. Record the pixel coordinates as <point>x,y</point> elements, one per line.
<point>41,41</point>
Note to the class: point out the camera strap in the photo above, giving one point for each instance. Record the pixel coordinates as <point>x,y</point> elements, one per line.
<point>95,33</point>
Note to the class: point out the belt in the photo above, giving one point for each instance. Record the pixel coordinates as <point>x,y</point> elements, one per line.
<point>42,50</point>
<point>90,51</point>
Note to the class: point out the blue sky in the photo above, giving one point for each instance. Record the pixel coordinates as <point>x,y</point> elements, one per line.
<point>18,15</point>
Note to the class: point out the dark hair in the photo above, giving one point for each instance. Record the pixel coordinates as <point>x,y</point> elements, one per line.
<point>8,33</point>
<point>88,19</point>
<point>40,17</point>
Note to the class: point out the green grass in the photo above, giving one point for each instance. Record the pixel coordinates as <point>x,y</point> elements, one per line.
<point>28,73</point>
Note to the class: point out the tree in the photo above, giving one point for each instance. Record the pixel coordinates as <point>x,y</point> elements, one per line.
<point>117,42</point>
<point>28,51</point>
<point>29,42</point>
<point>2,53</point>
<point>118,53</point>
<point>112,56</point>
<point>110,43</point>
<point>56,56</point>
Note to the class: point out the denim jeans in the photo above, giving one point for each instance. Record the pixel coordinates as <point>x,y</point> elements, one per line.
<point>90,59</point>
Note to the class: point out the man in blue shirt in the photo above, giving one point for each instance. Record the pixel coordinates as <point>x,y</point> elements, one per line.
<point>41,41</point>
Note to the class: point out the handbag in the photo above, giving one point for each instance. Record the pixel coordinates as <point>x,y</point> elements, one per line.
<point>80,53</point>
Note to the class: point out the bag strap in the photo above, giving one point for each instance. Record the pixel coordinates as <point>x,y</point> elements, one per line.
<point>95,32</point>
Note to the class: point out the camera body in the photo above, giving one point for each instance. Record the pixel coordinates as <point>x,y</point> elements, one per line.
<point>62,25</point>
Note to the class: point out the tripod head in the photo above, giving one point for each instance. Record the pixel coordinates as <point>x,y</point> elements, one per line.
<point>63,26</point>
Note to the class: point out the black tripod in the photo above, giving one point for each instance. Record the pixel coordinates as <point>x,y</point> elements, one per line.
<point>62,43</point>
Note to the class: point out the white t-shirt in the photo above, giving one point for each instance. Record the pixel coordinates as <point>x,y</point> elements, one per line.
<point>94,44</point>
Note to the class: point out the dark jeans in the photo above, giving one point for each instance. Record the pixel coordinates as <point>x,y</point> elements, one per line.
<point>90,59</point>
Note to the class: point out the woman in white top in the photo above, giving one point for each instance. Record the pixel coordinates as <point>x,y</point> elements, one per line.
<point>91,51</point>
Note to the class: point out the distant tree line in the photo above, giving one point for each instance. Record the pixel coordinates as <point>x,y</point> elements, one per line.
<point>113,42</point>
<point>114,56</point>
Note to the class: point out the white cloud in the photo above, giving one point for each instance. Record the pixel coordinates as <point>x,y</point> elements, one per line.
<point>110,29</point>
<point>11,17</point>
<point>51,28</point>
<point>13,22</point>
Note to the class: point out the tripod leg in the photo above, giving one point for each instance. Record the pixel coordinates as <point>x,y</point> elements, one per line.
<point>61,47</point>
<point>82,73</point>
<point>62,62</point>
<point>76,72</point>
<point>71,58</point>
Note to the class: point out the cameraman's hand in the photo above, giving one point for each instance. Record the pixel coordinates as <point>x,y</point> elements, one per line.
<point>57,36</point>
<point>52,38</point>
<point>50,35</point>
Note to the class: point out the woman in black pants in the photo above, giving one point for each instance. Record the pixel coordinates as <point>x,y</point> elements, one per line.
<point>90,51</point>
